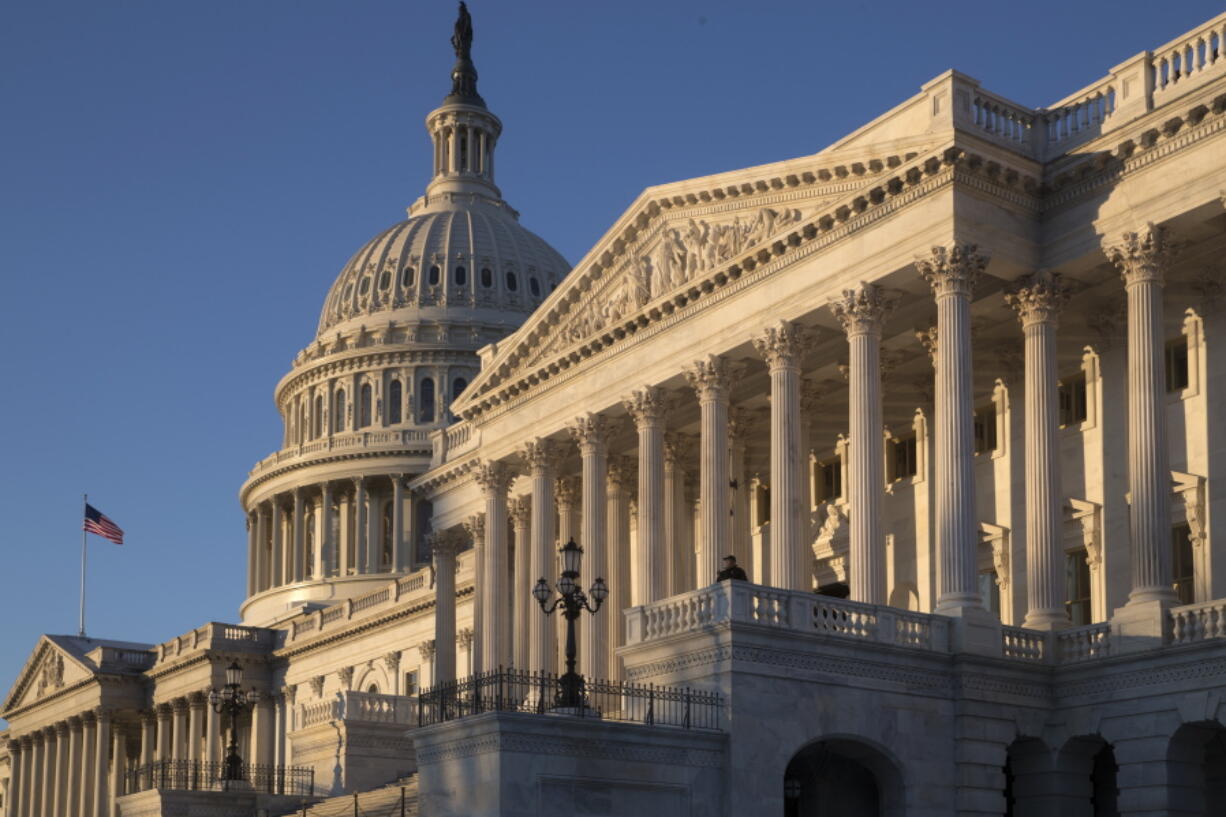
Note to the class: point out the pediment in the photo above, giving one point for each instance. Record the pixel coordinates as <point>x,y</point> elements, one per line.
<point>49,669</point>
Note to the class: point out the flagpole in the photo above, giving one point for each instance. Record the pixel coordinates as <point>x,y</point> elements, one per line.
<point>84,504</point>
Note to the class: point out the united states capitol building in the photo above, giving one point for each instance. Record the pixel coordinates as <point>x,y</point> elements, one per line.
<point>952,389</point>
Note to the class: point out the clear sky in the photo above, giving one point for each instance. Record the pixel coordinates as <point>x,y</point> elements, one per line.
<point>181,181</point>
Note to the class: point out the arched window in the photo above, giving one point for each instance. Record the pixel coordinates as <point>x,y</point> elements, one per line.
<point>534,286</point>
<point>394,398</point>
<point>386,539</point>
<point>461,276</point>
<point>487,277</point>
<point>364,287</point>
<point>338,418</point>
<point>458,385</point>
<point>512,281</point>
<point>425,403</point>
<point>319,416</point>
<point>434,273</point>
<point>374,690</point>
<point>365,407</point>
<point>407,277</point>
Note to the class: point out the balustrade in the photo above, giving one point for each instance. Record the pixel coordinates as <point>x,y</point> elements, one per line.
<point>1198,622</point>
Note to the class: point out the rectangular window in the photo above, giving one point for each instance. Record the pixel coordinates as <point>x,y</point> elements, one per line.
<point>1181,561</point>
<point>1177,365</point>
<point>1077,586</point>
<point>1073,400</point>
<point>903,460</point>
<point>410,683</point>
<point>985,428</point>
<point>829,481</point>
<point>989,591</point>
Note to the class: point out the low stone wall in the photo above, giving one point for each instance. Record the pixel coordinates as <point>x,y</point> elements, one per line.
<point>350,756</point>
<point>155,803</point>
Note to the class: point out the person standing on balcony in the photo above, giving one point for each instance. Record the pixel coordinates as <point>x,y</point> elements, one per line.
<point>731,570</point>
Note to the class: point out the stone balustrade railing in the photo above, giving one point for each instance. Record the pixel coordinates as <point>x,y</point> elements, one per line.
<point>1189,59</point>
<point>1198,622</point>
<point>454,441</point>
<point>391,440</point>
<point>359,707</point>
<point>1023,644</point>
<point>216,635</point>
<point>1083,643</point>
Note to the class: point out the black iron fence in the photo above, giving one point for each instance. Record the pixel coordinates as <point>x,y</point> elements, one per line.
<point>202,775</point>
<point>509,690</point>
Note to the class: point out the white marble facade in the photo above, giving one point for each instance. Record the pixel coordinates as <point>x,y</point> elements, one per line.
<point>960,373</point>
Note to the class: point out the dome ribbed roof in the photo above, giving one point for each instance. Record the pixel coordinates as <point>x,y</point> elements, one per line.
<point>469,262</point>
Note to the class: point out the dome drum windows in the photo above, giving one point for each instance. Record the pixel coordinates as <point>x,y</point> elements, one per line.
<point>512,281</point>
<point>339,419</point>
<point>408,276</point>
<point>395,398</point>
<point>366,405</point>
<point>487,277</point>
<point>425,400</point>
<point>534,286</point>
<point>385,279</point>
<point>364,287</point>
<point>435,274</point>
<point>460,276</point>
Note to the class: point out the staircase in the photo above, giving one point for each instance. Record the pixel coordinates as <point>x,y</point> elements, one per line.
<point>381,802</point>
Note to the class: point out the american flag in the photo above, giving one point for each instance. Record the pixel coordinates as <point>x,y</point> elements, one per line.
<point>96,522</point>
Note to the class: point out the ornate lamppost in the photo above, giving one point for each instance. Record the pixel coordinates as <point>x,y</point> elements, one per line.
<point>571,602</point>
<point>231,701</point>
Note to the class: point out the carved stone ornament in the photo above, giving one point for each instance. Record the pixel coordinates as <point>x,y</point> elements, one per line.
<point>345,674</point>
<point>952,270</point>
<point>50,674</point>
<point>1143,256</point>
<point>928,339</point>
<point>590,432</point>
<point>494,477</point>
<point>464,638</point>
<point>474,526</point>
<point>426,650</point>
<point>567,492</point>
<point>317,686</point>
<point>392,661</point>
<point>539,455</point>
<point>862,310</point>
<point>621,474</point>
<point>520,511</point>
<point>1038,298</point>
<point>782,345</point>
<point>997,537</point>
<point>711,378</point>
<point>646,406</point>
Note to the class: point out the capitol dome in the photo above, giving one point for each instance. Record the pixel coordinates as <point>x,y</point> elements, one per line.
<point>364,405</point>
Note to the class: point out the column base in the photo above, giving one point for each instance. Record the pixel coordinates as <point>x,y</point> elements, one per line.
<point>1047,620</point>
<point>975,630</point>
<point>1141,625</point>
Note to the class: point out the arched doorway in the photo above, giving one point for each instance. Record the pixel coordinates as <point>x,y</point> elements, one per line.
<point>842,778</point>
<point>1196,769</point>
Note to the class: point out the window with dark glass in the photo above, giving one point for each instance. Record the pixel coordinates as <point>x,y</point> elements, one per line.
<point>903,459</point>
<point>458,385</point>
<point>989,591</point>
<point>985,428</point>
<point>394,398</point>
<point>460,276</point>
<point>364,287</point>
<point>1181,563</point>
<point>385,279</point>
<point>534,286</point>
<point>1077,586</point>
<point>410,683</point>
<point>1072,399</point>
<point>512,282</point>
<point>348,292</point>
<point>338,422</point>
<point>434,273</point>
<point>1177,365</point>
<point>407,277</point>
<point>319,415</point>
<point>364,408</point>
<point>487,277</point>
<point>829,481</point>
<point>386,538</point>
<point>425,410</point>
<point>308,563</point>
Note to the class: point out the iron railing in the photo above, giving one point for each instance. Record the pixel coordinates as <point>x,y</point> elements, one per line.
<point>510,690</point>
<point>202,775</point>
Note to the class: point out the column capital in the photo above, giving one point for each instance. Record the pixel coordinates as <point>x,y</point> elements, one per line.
<point>952,270</point>
<point>464,638</point>
<point>61,729</point>
<point>391,660</point>
<point>1144,255</point>
<point>540,455</point>
<point>427,649</point>
<point>494,477</point>
<point>677,447</point>
<point>566,492</point>
<point>621,472</point>
<point>646,406</point>
<point>520,511</point>
<point>101,714</point>
<point>590,432</point>
<point>444,542</point>
<point>711,377</point>
<point>196,700</point>
<point>148,716</point>
<point>74,723</point>
<point>928,339</point>
<point>475,527</point>
<point>1038,297</point>
<point>180,705</point>
<point>781,345</point>
<point>862,310</point>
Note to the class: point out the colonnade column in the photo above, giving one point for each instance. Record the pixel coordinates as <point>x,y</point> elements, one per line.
<point>212,734</point>
<point>739,488</point>
<point>540,458</point>
<point>399,562</point>
<point>262,566</point>
<point>861,312</point>
<point>1141,259</point>
<point>475,527</point>
<point>1038,299</point>
<point>358,534</point>
<point>591,432</point>
<point>60,786</point>
<point>178,747</point>
<point>620,478</point>
<point>89,749</point>
<point>276,572</point>
<point>252,553</point>
<point>34,789</point>
<point>324,544</point>
<point>148,737</point>
<point>495,479</point>
<point>17,776</point>
<point>119,760</point>
<point>102,748</point>
<point>76,763</point>
<point>164,751</point>
<point>47,795</point>
<point>374,536</point>
<point>711,379</point>
<point>951,272</point>
<point>521,590</point>
<point>646,406</point>
<point>781,346</point>
<point>298,559</point>
<point>195,725</point>
<point>676,446</point>
<point>443,545</point>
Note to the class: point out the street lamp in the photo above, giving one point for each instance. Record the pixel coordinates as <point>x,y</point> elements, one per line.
<point>571,602</point>
<point>230,701</point>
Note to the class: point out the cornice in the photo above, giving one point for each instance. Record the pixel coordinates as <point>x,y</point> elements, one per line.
<point>357,361</point>
<point>254,482</point>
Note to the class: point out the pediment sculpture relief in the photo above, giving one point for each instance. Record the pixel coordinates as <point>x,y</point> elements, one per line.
<point>51,674</point>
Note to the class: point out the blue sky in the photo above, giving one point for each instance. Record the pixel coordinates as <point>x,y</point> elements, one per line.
<point>180,182</point>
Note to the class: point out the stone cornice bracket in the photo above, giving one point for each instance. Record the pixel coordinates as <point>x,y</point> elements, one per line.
<point>1143,256</point>
<point>952,270</point>
<point>1038,297</point>
<point>782,345</point>
<point>494,477</point>
<point>711,378</point>
<point>862,310</point>
<point>646,406</point>
<point>540,455</point>
<point>590,432</point>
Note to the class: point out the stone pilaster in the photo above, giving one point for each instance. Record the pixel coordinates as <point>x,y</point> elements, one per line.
<point>711,378</point>
<point>523,605</point>
<point>495,479</point>
<point>164,745</point>
<point>89,748</point>
<point>951,272</point>
<point>1038,299</point>
<point>252,554</point>
<point>298,558</point>
<point>148,737</point>
<point>646,407</point>
<point>781,346</point>
<point>444,545</point>
<point>18,757</point>
<point>400,560</point>
<point>541,459</point>
<point>1142,259</point>
<point>195,725</point>
<point>862,311</point>
<point>591,432</point>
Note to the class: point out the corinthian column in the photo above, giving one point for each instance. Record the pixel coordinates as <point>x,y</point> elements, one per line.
<point>297,563</point>
<point>646,406</point>
<point>861,311</point>
<point>951,272</point>
<point>591,432</point>
<point>495,479</point>
<point>738,433</point>
<point>358,532</point>
<point>475,527</point>
<point>781,346</point>
<point>540,457</point>
<point>521,593</point>
<point>1142,259</point>
<point>678,517</point>
<point>62,772</point>
<point>1038,299</point>
<point>444,545</point>
<point>399,559</point>
<point>711,379</point>
<point>102,797</point>
<point>617,498</point>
